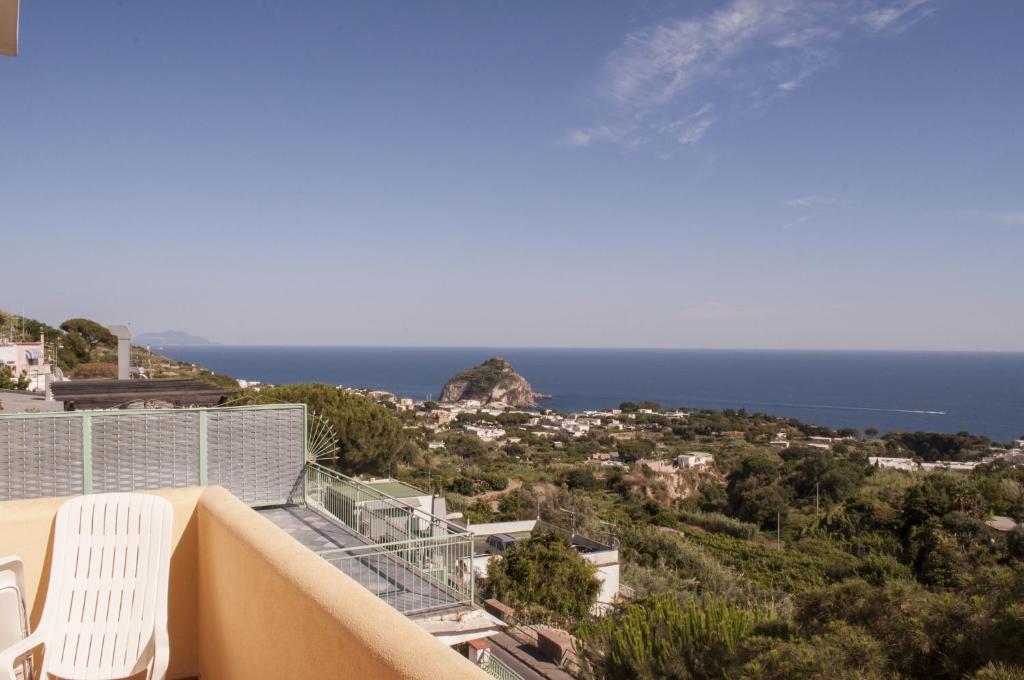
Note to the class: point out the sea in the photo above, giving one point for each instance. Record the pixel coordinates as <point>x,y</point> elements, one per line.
<point>981,393</point>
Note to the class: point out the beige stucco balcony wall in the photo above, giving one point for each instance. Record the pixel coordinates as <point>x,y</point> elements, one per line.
<point>248,601</point>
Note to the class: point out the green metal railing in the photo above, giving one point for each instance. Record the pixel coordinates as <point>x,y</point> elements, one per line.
<point>496,668</point>
<point>413,560</point>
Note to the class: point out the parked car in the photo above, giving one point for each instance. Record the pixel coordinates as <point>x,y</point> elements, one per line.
<point>499,543</point>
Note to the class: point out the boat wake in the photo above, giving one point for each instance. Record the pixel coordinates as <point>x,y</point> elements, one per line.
<point>866,408</point>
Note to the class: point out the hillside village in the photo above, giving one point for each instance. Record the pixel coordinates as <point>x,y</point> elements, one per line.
<point>660,436</point>
<point>583,523</point>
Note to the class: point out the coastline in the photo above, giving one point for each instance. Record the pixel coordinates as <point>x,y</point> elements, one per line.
<point>980,393</point>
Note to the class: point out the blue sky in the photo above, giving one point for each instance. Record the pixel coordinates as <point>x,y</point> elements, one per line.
<point>742,174</point>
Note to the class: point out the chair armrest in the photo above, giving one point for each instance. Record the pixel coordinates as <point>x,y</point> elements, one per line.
<point>15,652</point>
<point>14,564</point>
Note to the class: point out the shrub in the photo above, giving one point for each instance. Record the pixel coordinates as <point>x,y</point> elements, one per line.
<point>94,370</point>
<point>720,524</point>
<point>545,577</point>
<point>663,637</point>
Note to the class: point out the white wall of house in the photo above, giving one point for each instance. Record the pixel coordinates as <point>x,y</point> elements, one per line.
<point>491,528</point>
<point>28,358</point>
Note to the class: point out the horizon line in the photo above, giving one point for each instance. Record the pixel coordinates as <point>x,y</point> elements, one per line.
<point>598,348</point>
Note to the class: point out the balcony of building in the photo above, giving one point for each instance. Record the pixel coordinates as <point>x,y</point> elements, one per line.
<point>247,601</point>
<point>408,560</point>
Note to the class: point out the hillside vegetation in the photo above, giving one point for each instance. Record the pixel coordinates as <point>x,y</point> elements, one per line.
<point>84,349</point>
<point>771,563</point>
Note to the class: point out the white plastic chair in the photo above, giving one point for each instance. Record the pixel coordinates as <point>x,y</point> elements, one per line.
<point>13,613</point>
<point>105,614</point>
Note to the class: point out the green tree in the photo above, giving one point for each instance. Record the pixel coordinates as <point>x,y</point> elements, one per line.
<point>822,472</point>
<point>465,446</point>
<point>634,449</point>
<point>73,350</point>
<point>582,478</point>
<point>544,578</point>
<point>7,381</point>
<point>843,652</point>
<point>94,334</point>
<point>478,512</point>
<point>1015,543</point>
<point>515,506</point>
<point>754,492</point>
<point>369,437</point>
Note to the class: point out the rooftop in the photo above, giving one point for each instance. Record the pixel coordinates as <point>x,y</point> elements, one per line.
<point>395,488</point>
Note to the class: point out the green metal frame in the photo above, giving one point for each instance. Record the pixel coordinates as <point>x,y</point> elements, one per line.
<point>496,668</point>
<point>87,453</point>
<point>442,552</point>
<point>128,412</point>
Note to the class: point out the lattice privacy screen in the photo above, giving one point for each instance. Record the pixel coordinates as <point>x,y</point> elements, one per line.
<point>256,452</point>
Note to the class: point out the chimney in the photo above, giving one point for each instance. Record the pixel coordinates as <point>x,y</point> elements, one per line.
<point>124,350</point>
<point>9,27</point>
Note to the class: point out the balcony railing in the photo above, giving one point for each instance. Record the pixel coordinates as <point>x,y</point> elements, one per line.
<point>496,668</point>
<point>256,452</point>
<point>413,560</point>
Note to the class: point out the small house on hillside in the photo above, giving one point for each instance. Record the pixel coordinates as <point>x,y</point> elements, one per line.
<point>697,459</point>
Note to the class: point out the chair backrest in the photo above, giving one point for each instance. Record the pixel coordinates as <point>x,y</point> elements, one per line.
<point>107,595</point>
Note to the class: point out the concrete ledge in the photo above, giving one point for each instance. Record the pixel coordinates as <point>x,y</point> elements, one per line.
<point>247,601</point>
<point>271,608</point>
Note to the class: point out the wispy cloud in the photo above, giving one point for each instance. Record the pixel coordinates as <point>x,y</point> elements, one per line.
<point>800,220</point>
<point>810,201</point>
<point>1013,218</point>
<point>676,79</point>
<point>586,137</point>
<point>690,128</point>
<point>897,16</point>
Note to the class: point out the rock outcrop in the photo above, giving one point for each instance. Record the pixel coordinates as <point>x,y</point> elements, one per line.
<point>494,381</point>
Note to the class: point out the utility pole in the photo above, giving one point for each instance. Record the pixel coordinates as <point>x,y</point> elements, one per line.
<point>816,500</point>
<point>778,530</point>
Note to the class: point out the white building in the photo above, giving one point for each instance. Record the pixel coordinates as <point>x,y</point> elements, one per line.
<point>488,433</point>
<point>697,459</point>
<point>576,429</point>
<point>951,465</point>
<point>893,463</point>
<point>28,358</point>
<point>909,464</point>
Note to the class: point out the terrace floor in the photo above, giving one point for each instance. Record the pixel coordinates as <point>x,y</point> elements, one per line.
<point>398,583</point>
